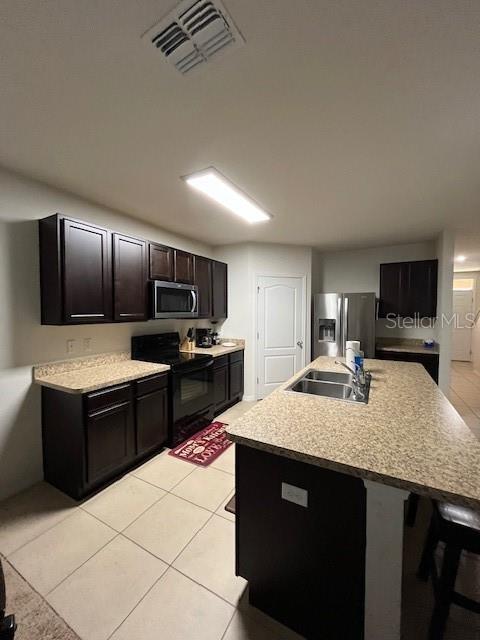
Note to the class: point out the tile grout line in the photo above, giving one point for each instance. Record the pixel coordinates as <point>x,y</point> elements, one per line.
<point>135,519</point>
<point>170,566</point>
<point>229,623</point>
<point>43,598</point>
<point>69,515</point>
<point>80,507</point>
<point>82,564</point>
<point>121,533</point>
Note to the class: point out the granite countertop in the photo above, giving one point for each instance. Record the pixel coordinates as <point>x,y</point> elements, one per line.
<point>218,350</point>
<point>405,346</point>
<point>408,436</point>
<point>81,375</point>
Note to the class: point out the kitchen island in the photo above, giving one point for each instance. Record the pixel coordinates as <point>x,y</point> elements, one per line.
<point>320,491</point>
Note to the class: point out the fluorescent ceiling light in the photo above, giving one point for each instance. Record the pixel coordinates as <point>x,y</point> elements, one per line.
<point>218,188</point>
<point>460,258</point>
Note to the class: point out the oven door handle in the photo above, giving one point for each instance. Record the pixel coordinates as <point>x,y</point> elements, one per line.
<point>199,368</point>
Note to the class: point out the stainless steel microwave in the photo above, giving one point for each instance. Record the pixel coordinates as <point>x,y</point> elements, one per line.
<point>174,300</point>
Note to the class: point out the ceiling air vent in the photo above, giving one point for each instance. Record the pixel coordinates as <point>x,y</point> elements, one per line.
<point>193,33</point>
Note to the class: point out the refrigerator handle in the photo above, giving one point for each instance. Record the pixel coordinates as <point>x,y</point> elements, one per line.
<point>345,326</point>
<point>339,328</point>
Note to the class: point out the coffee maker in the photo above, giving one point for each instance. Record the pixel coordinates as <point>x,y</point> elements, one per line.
<point>204,338</point>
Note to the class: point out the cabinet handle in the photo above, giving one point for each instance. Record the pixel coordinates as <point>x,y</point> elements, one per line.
<point>102,392</point>
<point>112,409</point>
<point>151,393</point>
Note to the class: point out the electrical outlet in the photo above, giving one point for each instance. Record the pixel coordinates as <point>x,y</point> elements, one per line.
<point>87,344</point>
<point>70,346</point>
<point>295,494</point>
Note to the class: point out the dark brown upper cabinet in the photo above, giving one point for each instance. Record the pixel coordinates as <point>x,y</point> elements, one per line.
<point>160,262</point>
<point>89,274</point>
<point>409,289</point>
<point>203,280</point>
<point>75,272</point>
<point>129,278</point>
<point>219,290</point>
<point>183,267</point>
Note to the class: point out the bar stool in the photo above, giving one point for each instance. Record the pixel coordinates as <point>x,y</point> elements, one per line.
<point>459,529</point>
<point>7,623</point>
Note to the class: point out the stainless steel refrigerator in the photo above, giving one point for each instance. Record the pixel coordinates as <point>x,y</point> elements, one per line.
<point>338,317</point>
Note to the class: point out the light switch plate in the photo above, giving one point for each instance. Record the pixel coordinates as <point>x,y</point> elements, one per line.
<point>295,494</point>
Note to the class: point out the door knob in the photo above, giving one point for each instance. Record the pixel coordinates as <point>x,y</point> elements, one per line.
<point>300,344</point>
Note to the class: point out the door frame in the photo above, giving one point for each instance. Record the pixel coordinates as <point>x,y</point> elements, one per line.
<point>473,309</point>
<point>307,340</point>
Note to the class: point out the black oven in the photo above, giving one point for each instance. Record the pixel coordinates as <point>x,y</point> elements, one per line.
<point>191,395</point>
<point>191,400</point>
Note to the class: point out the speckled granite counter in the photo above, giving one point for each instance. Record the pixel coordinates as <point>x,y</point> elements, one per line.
<point>406,346</point>
<point>81,375</point>
<point>218,350</point>
<point>409,435</point>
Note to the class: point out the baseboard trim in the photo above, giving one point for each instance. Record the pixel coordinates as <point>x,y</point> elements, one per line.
<point>248,398</point>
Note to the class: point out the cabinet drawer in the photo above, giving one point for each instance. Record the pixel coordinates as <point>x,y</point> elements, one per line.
<point>237,356</point>
<point>153,383</point>
<point>108,397</point>
<point>221,361</point>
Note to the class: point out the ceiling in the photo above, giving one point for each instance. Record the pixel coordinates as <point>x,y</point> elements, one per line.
<point>353,123</point>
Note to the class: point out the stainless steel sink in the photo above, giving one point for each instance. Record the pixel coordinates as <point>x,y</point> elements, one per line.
<point>330,384</point>
<point>327,389</point>
<point>329,376</point>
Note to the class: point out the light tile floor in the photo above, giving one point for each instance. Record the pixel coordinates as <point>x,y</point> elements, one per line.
<point>464,394</point>
<point>152,555</point>
<point>154,552</point>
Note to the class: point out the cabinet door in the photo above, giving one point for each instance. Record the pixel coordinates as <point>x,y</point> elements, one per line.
<point>130,278</point>
<point>87,275</point>
<point>203,280</point>
<point>236,380</point>
<point>422,289</point>
<point>389,290</point>
<point>220,388</point>
<point>161,262</point>
<point>219,290</point>
<point>110,441</point>
<point>152,420</point>
<point>183,267</point>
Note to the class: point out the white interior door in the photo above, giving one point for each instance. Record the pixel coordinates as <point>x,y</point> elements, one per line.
<point>280,330</point>
<point>462,332</point>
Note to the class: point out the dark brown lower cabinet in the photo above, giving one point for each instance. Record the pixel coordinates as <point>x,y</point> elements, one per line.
<point>227,380</point>
<point>429,360</point>
<point>236,376</point>
<point>152,420</point>
<point>89,439</point>
<point>305,563</point>
<point>220,384</point>
<point>110,441</point>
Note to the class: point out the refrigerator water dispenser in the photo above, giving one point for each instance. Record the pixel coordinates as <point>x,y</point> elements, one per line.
<point>326,330</point>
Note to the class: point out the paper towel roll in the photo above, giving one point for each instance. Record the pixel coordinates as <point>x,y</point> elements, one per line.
<point>352,347</point>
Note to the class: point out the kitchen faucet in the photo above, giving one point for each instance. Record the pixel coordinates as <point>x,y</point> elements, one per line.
<point>360,379</point>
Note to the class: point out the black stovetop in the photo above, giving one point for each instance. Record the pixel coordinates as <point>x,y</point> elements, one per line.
<point>164,348</point>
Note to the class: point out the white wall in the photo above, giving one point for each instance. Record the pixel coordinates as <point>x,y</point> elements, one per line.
<point>23,340</point>
<point>245,263</point>
<point>359,271</point>
<point>475,275</point>
<point>445,253</point>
